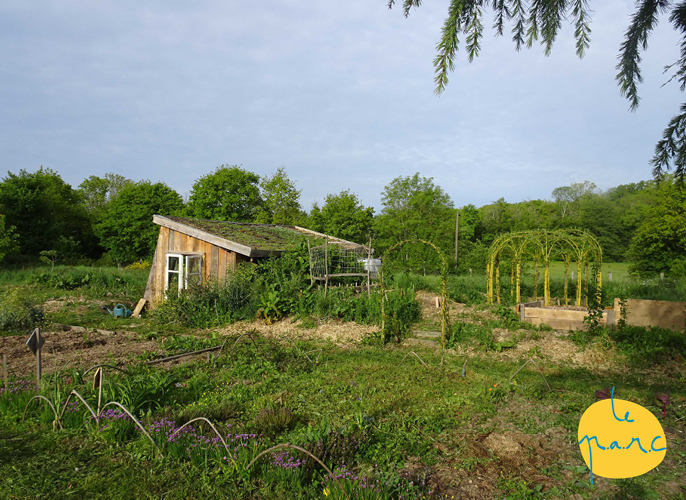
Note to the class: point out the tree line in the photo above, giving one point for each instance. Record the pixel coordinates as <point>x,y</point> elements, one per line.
<point>109,219</point>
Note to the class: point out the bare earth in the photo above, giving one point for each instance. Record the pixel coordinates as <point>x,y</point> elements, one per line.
<point>74,347</point>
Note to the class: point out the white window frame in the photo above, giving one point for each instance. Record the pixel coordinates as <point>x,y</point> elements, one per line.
<point>182,271</point>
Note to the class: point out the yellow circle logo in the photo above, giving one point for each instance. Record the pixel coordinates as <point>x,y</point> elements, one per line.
<point>620,439</point>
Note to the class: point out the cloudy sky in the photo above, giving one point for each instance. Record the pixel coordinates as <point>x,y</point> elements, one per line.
<point>340,94</point>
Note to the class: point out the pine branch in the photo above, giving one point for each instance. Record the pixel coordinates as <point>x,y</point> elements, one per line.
<point>474,32</point>
<point>519,12</point>
<point>643,22</point>
<point>672,148</point>
<point>448,46</point>
<point>582,29</point>
<point>551,13</point>
<point>502,12</point>
<point>408,4</point>
<point>678,19</point>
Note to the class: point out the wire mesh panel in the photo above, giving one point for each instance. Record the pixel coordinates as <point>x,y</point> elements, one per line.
<point>336,259</point>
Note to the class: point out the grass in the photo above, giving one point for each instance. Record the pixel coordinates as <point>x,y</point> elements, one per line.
<point>422,429</point>
<point>392,421</point>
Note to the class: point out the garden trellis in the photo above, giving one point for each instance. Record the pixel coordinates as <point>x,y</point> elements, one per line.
<point>337,259</point>
<point>445,327</point>
<point>542,246</point>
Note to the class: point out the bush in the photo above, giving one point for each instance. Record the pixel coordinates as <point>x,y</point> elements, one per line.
<point>17,313</point>
<point>212,304</point>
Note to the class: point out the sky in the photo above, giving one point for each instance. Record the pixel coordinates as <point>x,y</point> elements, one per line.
<point>339,94</point>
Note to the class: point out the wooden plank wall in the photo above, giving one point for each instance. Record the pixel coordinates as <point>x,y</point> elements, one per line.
<point>216,261</point>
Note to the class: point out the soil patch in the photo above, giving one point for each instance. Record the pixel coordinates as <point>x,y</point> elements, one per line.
<point>76,346</point>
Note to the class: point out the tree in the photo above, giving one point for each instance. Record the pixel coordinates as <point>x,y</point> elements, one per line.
<point>98,192</point>
<point>43,208</point>
<point>542,19</point>
<point>8,239</point>
<point>659,244</point>
<point>568,197</point>
<point>343,216</point>
<point>127,230</point>
<point>229,193</point>
<point>415,208</point>
<point>281,200</point>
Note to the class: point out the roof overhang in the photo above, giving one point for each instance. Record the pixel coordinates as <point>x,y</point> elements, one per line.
<point>213,238</point>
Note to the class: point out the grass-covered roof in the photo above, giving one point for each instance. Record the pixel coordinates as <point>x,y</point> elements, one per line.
<point>256,236</point>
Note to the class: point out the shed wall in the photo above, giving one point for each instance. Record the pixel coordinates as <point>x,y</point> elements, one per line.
<point>217,261</point>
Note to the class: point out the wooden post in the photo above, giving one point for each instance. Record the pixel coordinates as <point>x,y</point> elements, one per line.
<point>457,225</point>
<point>38,359</point>
<point>4,372</point>
<point>309,253</point>
<point>326,267</point>
<point>369,268</point>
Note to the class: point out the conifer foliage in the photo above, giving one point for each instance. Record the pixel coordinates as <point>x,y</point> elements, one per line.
<point>540,21</point>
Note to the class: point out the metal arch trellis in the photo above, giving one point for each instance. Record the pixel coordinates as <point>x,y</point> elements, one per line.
<point>543,246</point>
<point>444,286</point>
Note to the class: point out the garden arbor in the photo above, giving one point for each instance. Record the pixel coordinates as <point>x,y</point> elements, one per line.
<point>444,285</point>
<point>541,247</point>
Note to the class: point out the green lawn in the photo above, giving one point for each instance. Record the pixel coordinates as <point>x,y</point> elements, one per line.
<point>619,270</point>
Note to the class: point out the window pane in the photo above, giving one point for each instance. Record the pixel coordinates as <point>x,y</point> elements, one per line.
<point>173,279</point>
<point>173,263</point>
<point>193,264</point>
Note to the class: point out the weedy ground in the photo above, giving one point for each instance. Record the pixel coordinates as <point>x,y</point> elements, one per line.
<point>387,423</point>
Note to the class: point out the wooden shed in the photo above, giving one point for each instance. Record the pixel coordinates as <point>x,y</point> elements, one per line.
<point>196,249</point>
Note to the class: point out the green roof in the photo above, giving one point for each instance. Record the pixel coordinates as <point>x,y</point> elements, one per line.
<point>256,236</point>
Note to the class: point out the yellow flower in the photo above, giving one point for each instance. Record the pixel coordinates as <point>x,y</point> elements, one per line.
<point>326,492</point>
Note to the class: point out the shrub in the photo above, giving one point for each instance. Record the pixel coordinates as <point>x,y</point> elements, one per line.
<point>17,313</point>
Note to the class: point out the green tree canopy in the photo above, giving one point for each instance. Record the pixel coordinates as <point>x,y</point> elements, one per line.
<point>542,20</point>
<point>127,230</point>
<point>8,239</point>
<point>281,200</point>
<point>659,244</point>
<point>98,192</point>
<point>415,208</point>
<point>229,193</point>
<point>343,216</point>
<point>45,211</point>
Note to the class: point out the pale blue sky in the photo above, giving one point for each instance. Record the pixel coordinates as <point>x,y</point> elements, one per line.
<point>340,94</point>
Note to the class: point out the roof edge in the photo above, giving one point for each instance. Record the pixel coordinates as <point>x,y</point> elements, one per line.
<point>210,238</point>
